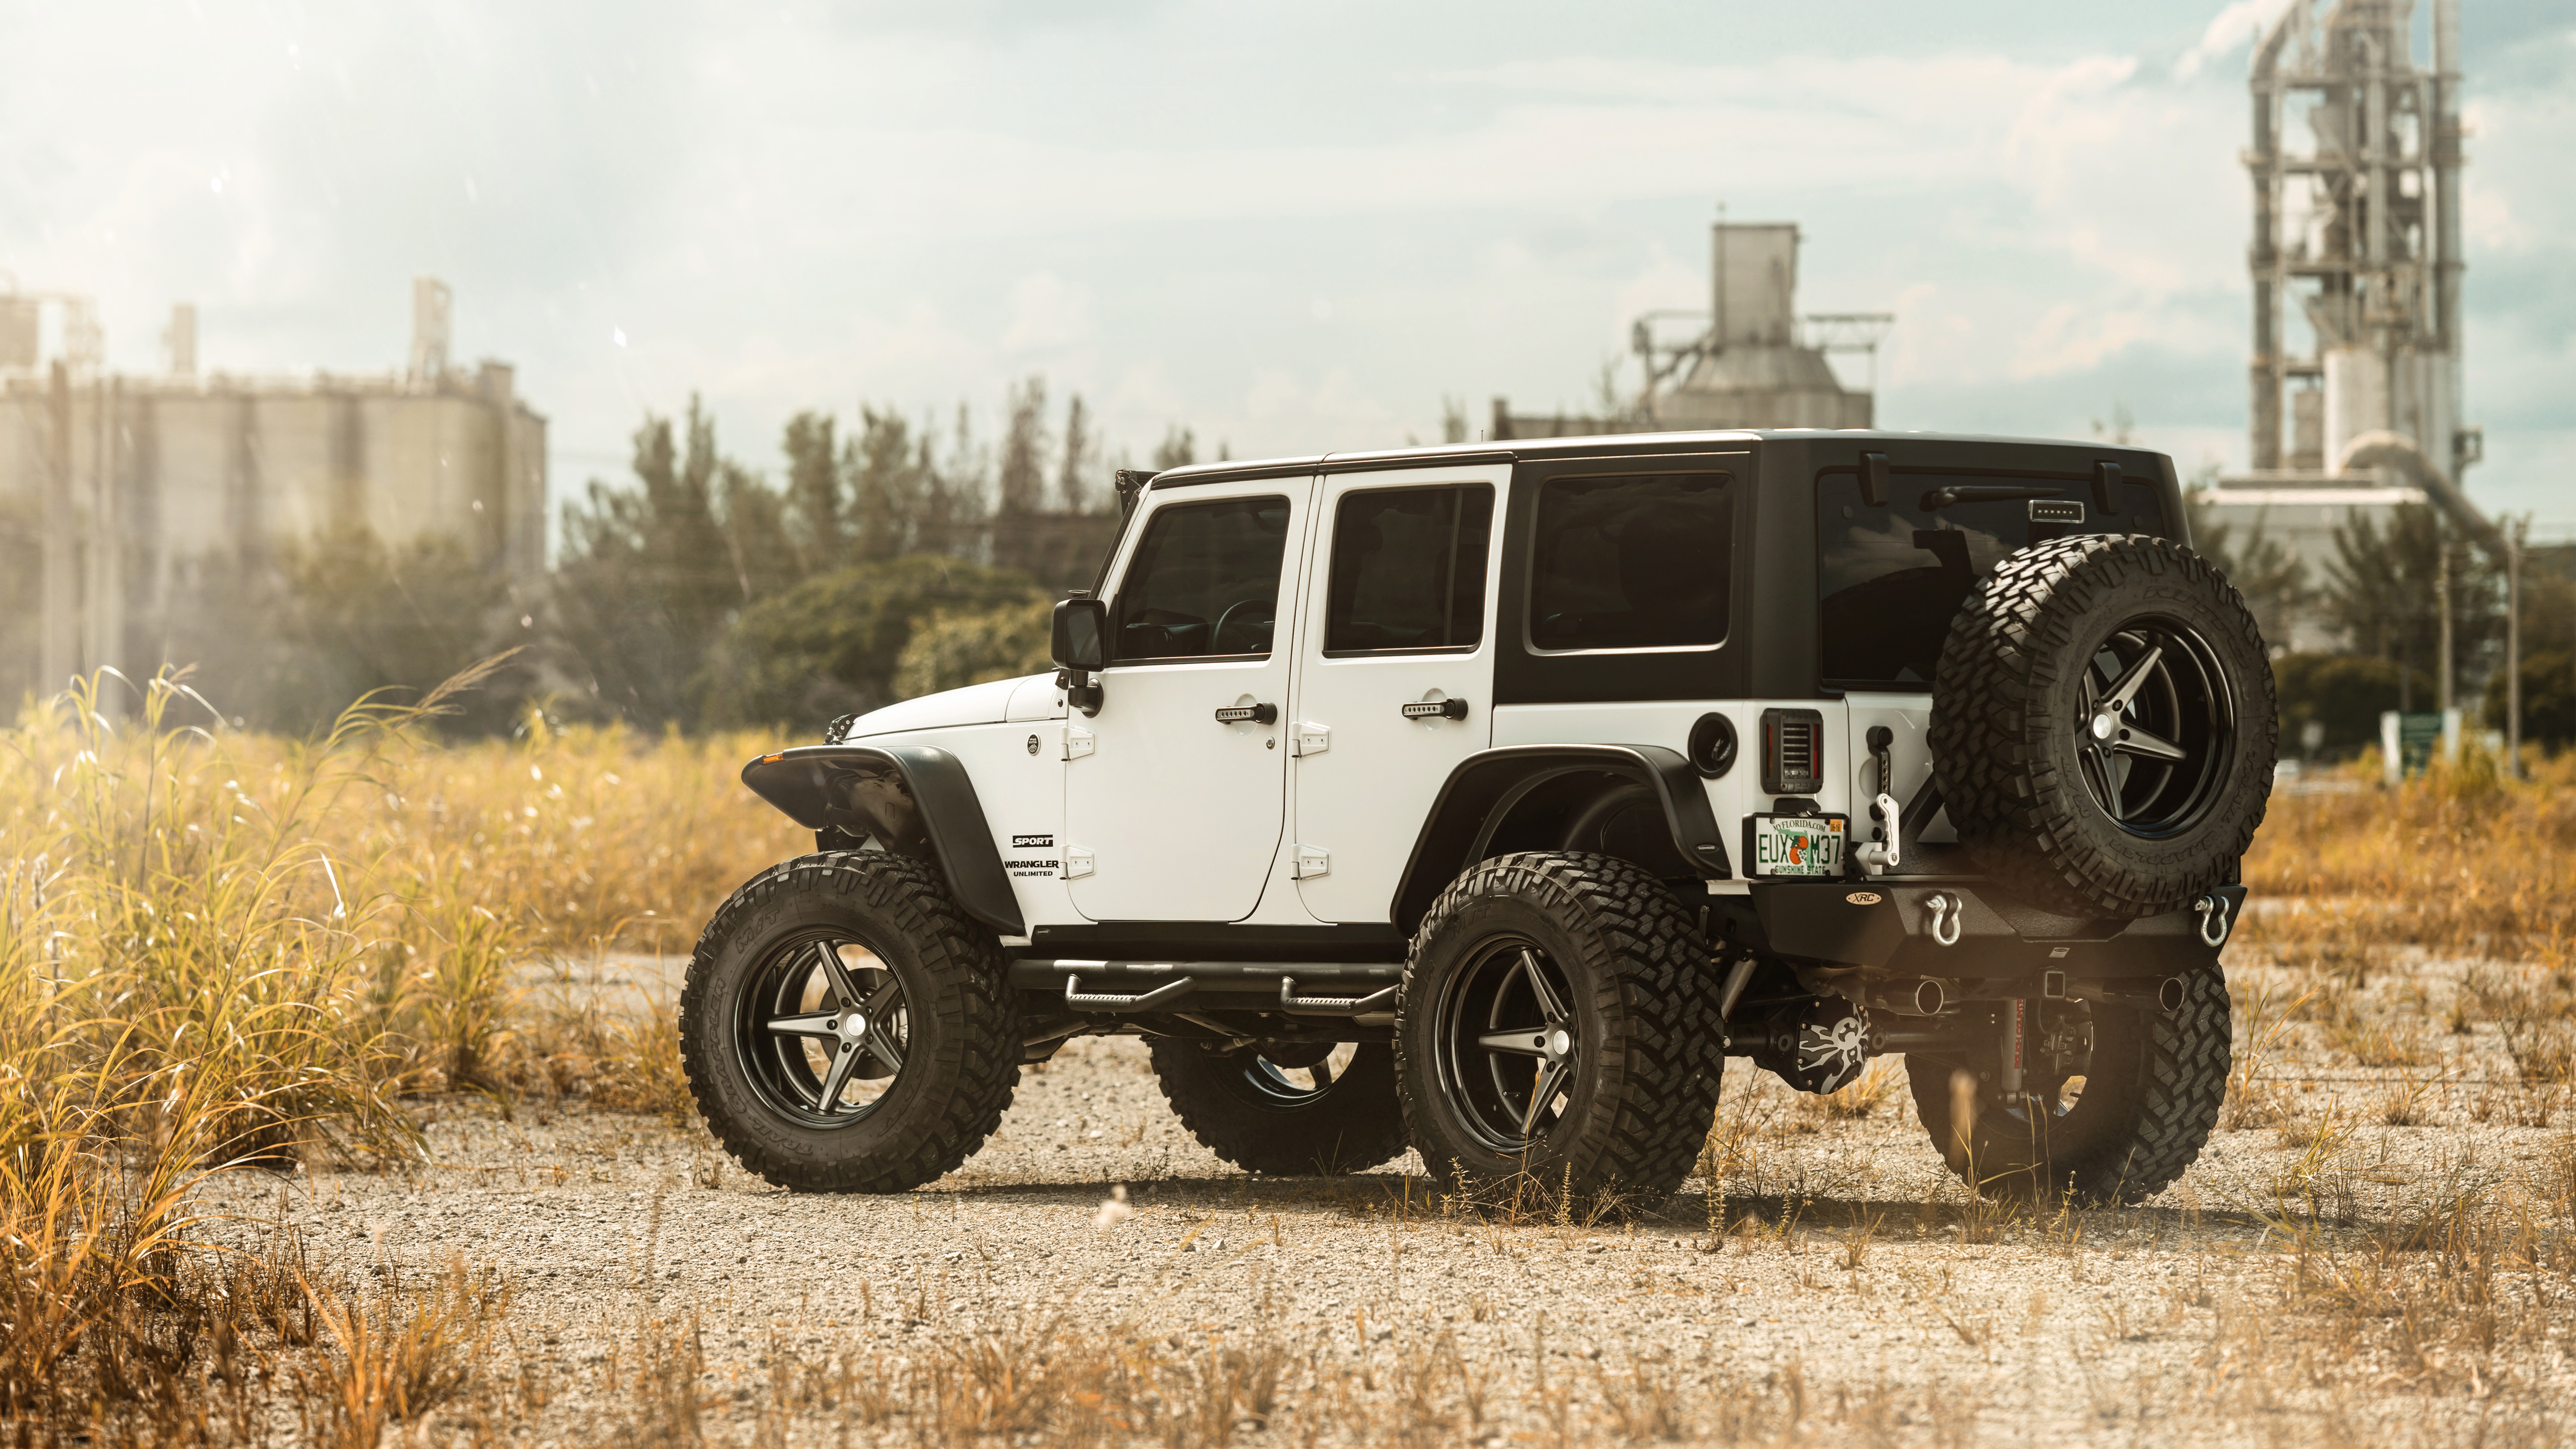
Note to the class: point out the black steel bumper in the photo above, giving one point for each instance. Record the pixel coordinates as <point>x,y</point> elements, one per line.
<point>1965,928</point>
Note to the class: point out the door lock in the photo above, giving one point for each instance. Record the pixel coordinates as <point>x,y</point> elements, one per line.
<point>1248,714</point>
<point>1437,709</point>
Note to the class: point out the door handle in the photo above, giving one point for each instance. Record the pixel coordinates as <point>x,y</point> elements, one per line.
<point>1248,714</point>
<point>1437,709</point>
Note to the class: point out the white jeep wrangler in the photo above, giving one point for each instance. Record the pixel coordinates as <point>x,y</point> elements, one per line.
<point>1484,801</point>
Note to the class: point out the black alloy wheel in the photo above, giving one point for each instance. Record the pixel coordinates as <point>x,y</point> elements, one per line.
<point>846,1028</point>
<point>1559,1022</point>
<point>2103,727</point>
<point>2155,727</point>
<point>1508,1044</point>
<point>820,1028</point>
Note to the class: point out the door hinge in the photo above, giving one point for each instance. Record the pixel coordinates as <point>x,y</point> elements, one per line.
<point>1312,861</point>
<point>1079,742</point>
<point>1077,862</point>
<point>1310,739</point>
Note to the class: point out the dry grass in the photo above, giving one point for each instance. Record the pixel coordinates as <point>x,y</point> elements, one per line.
<point>221,951</point>
<point>2462,861</point>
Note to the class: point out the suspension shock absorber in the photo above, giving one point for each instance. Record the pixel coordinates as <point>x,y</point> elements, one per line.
<point>2016,1046</point>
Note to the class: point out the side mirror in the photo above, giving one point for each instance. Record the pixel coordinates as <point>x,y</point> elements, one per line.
<point>1081,635</point>
<point>1080,645</point>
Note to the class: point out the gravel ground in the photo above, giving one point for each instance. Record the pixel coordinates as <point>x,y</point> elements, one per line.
<point>1857,1291</point>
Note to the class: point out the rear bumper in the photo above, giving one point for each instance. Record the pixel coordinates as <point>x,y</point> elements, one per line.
<point>1973,931</point>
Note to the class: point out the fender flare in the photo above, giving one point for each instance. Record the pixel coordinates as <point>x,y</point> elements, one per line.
<point>914,800</point>
<point>1486,785</point>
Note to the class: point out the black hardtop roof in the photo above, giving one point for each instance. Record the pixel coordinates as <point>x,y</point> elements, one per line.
<point>1856,440</point>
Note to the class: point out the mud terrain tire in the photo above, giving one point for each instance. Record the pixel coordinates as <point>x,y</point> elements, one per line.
<point>1612,976</point>
<point>2103,726</point>
<point>957,1036</point>
<point>1242,1109</point>
<point>2145,1111</point>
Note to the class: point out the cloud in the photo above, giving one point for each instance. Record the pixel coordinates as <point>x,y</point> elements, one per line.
<point>2239,23</point>
<point>1047,314</point>
<point>815,207</point>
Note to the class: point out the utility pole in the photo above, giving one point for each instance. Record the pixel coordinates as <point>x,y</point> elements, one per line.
<point>2514,539</point>
<point>2442,600</point>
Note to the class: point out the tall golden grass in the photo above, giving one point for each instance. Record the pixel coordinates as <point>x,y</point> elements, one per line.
<point>2462,860</point>
<point>220,949</point>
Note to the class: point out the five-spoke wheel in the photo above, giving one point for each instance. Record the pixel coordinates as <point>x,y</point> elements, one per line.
<point>846,1028</point>
<point>823,1029</point>
<point>1507,1037</point>
<point>2153,727</point>
<point>1559,1021</point>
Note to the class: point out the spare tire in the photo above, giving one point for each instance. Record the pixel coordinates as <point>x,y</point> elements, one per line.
<point>2103,726</point>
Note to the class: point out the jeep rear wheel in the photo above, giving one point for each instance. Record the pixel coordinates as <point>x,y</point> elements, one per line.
<point>2119,1133</point>
<point>844,1028</point>
<point>1286,1108</point>
<point>1558,1020</point>
<point>2103,726</point>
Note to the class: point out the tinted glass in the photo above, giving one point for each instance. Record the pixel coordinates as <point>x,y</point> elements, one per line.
<point>1631,563</point>
<point>1409,570</point>
<point>1205,582</point>
<point>1892,578</point>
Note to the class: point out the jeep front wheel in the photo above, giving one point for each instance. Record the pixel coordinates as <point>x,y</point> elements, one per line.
<point>844,1026</point>
<point>1558,1021</point>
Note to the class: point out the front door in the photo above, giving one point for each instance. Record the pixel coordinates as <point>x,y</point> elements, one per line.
<point>1174,793</point>
<point>1395,682</point>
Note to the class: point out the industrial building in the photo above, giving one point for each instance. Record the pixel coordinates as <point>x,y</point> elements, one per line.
<point>1750,361</point>
<point>125,482</point>
<point>2356,265</point>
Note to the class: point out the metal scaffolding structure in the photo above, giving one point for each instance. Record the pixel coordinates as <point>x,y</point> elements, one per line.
<point>2358,225</point>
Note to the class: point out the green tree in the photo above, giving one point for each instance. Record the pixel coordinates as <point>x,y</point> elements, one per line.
<point>1073,484</point>
<point>2383,593</point>
<point>649,577</point>
<point>815,502</point>
<point>2342,693</point>
<point>953,648</point>
<point>834,643</point>
<point>2548,698</point>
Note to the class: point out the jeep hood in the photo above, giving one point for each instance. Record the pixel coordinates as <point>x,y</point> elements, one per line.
<point>976,704</point>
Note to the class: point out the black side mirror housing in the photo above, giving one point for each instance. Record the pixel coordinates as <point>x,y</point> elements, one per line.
<point>1081,634</point>
<point>1080,645</point>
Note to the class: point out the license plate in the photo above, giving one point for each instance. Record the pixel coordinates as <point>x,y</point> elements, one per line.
<point>1795,845</point>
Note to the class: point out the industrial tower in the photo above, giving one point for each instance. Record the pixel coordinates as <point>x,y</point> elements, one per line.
<point>2358,224</point>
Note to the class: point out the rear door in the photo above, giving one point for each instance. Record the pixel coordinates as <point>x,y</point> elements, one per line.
<point>1174,794</point>
<point>1395,672</point>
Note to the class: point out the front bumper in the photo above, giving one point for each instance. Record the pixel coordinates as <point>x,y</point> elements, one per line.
<point>1966,928</point>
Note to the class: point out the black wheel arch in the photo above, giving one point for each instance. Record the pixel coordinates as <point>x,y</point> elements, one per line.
<point>1525,797</point>
<point>914,800</point>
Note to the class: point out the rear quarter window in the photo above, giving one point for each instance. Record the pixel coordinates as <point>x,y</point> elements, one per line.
<point>1891,578</point>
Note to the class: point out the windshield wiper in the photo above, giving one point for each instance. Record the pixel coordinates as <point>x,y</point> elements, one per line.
<point>1940,498</point>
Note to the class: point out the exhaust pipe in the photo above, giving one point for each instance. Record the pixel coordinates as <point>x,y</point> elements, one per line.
<point>2171,993</point>
<point>1923,996</point>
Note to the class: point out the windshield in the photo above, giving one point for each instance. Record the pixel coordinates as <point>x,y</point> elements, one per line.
<point>1891,578</point>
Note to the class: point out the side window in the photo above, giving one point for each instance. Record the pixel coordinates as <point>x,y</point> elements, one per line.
<point>1409,570</point>
<point>1205,582</point>
<point>1631,563</point>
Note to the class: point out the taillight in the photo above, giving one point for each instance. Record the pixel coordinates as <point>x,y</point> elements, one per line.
<point>1793,750</point>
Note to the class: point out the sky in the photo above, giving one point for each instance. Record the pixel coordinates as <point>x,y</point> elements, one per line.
<point>1292,229</point>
